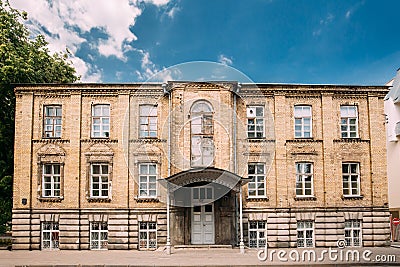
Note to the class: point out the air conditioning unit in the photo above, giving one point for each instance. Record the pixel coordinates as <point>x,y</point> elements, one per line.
<point>397,129</point>
<point>251,112</point>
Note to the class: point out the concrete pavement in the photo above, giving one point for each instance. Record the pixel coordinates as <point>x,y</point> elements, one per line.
<point>388,256</point>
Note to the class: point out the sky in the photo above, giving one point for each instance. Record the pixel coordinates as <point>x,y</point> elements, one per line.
<point>354,42</point>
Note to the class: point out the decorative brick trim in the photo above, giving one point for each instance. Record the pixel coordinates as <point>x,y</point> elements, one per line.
<point>351,140</point>
<point>257,199</point>
<point>352,197</point>
<point>50,140</point>
<point>148,140</point>
<point>95,140</point>
<point>310,198</point>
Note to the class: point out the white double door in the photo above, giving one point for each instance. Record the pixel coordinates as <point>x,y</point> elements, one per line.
<point>202,216</point>
<point>203,224</point>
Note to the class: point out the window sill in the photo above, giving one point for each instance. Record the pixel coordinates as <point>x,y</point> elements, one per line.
<point>103,200</point>
<point>50,199</point>
<point>305,198</point>
<point>349,197</point>
<point>146,199</point>
<point>258,199</point>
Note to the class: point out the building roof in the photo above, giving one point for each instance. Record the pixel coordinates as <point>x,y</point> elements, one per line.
<point>394,92</point>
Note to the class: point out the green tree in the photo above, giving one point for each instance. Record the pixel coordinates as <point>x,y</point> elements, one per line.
<point>23,59</point>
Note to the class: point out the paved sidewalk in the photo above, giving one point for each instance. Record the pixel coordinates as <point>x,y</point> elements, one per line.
<point>196,257</point>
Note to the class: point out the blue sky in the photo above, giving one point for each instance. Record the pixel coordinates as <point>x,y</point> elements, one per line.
<point>270,41</point>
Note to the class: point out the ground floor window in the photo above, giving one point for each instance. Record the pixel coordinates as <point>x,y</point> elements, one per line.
<point>50,235</point>
<point>305,234</point>
<point>352,233</point>
<point>98,235</point>
<point>147,235</point>
<point>257,234</point>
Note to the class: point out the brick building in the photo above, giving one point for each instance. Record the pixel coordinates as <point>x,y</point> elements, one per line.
<point>141,166</point>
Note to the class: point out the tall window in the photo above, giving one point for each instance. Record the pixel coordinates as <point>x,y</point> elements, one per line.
<point>255,122</point>
<point>52,121</point>
<point>51,180</point>
<point>256,186</point>
<point>147,180</point>
<point>101,121</point>
<point>98,235</point>
<point>351,179</point>
<point>304,179</point>
<point>302,122</point>
<point>349,121</point>
<point>202,140</point>
<point>147,235</point>
<point>50,235</point>
<point>305,234</point>
<point>148,121</point>
<point>257,234</point>
<point>99,180</point>
<point>352,233</point>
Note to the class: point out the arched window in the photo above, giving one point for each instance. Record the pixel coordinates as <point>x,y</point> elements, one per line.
<point>202,143</point>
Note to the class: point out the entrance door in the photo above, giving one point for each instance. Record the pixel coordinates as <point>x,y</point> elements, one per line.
<point>202,215</point>
<point>203,224</point>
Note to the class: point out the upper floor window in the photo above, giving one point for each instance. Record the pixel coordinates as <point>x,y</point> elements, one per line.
<point>255,122</point>
<point>99,180</point>
<point>302,122</point>
<point>52,121</point>
<point>147,180</point>
<point>304,179</point>
<point>51,180</point>
<point>148,121</point>
<point>202,130</point>
<point>101,121</point>
<point>256,186</point>
<point>351,179</point>
<point>349,121</point>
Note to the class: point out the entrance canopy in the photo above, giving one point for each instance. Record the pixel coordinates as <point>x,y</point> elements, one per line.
<point>186,188</point>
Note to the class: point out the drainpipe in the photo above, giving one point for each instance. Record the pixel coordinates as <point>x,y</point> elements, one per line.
<point>168,245</point>
<point>234,143</point>
<point>241,244</point>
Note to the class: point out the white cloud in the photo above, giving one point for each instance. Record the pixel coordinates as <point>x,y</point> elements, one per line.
<point>225,60</point>
<point>172,12</point>
<point>64,24</point>
<point>348,14</point>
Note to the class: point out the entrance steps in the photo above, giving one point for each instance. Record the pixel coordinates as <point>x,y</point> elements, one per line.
<point>204,247</point>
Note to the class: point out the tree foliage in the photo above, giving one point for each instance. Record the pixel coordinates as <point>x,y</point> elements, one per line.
<point>23,59</point>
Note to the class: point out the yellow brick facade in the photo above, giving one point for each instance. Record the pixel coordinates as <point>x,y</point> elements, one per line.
<point>123,151</point>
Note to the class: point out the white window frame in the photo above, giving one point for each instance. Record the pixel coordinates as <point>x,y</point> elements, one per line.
<point>202,150</point>
<point>347,114</point>
<point>301,115</point>
<point>52,121</point>
<point>304,228</point>
<point>258,182</point>
<point>99,235</point>
<point>102,185</point>
<point>101,121</point>
<point>148,121</point>
<point>352,177</point>
<point>147,180</point>
<point>50,238</point>
<point>147,236</point>
<point>255,122</point>
<point>257,234</point>
<point>352,228</point>
<point>301,177</point>
<point>53,183</point>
